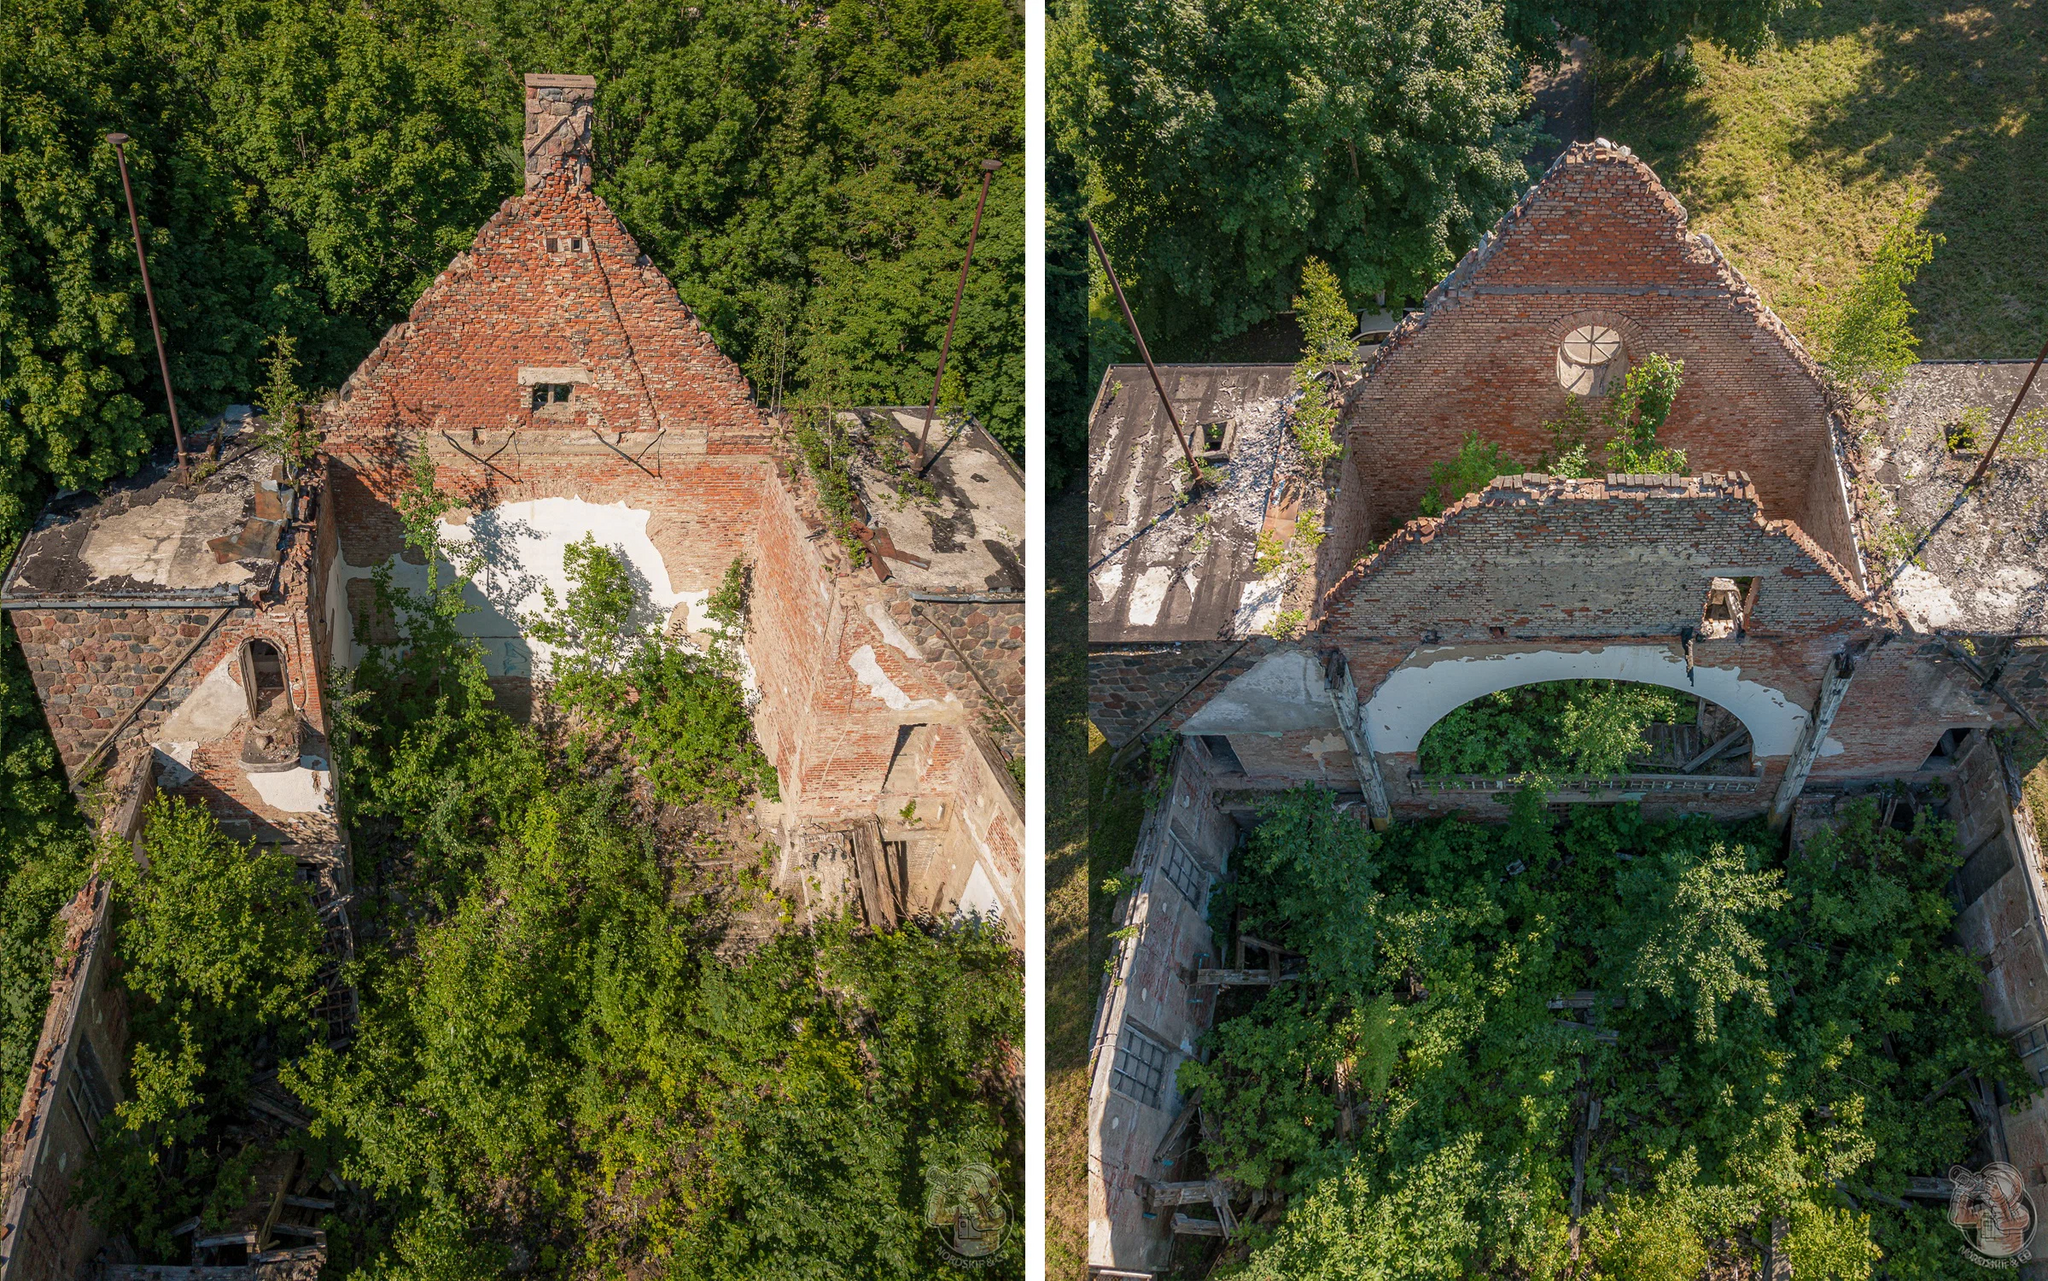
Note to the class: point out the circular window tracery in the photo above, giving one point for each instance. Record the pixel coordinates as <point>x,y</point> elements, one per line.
<point>1588,360</point>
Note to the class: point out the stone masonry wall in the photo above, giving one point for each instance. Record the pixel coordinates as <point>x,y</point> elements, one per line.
<point>1598,241</point>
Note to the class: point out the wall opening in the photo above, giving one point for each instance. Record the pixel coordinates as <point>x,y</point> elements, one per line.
<point>1947,749</point>
<point>1221,752</point>
<point>1587,729</point>
<point>264,680</point>
<point>1725,615</point>
<point>546,394</point>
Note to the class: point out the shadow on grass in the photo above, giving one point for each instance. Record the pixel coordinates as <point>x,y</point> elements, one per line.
<point>1955,96</point>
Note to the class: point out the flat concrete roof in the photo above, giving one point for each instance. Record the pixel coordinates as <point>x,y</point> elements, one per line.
<point>149,540</point>
<point>1984,560</point>
<point>1162,568</point>
<point>970,526</point>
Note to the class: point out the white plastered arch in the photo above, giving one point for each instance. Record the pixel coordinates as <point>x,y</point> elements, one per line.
<point>1425,689</point>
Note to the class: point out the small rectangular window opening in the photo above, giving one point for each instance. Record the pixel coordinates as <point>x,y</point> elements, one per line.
<point>545,394</point>
<point>1139,1068</point>
<point>554,245</point>
<point>1222,753</point>
<point>576,244</point>
<point>1725,615</point>
<point>1187,875</point>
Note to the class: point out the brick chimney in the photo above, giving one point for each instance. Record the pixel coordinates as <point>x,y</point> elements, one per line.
<point>558,112</point>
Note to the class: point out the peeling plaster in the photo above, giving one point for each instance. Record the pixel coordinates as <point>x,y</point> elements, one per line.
<point>523,546</point>
<point>1424,691</point>
<point>1282,691</point>
<point>887,691</point>
<point>295,791</point>
<point>1108,579</point>
<point>1321,747</point>
<point>162,542</point>
<point>1924,599</point>
<point>174,764</point>
<point>1150,594</point>
<point>885,623</point>
<point>1258,604</point>
<point>980,896</point>
<point>209,712</point>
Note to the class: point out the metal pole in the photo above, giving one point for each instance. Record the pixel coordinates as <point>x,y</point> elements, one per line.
<point>2009,414</point>
<point>988,172</point>
<point>1116,286</point>
<point>163,362</point>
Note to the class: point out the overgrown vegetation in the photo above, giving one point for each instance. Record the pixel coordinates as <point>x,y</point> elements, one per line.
<point>1771,1036</point>
<point>1589,727</point>
<point>218,950</point>
<point>45,851</point>
<point>1631,414</point>
<point>1328,327</point>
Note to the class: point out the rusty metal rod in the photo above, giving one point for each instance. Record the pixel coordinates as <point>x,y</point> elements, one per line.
<point>2010,414</point>
<point>1116,286</point>
<point>988,172</point>
<point>163,362</point>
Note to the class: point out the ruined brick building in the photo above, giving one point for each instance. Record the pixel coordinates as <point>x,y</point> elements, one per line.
<point>182,635</point>
<point>1750,584</point>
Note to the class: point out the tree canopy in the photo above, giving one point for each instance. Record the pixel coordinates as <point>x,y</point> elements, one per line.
<point>1232,139</point>
<point>1769,1036</point>
<point>805,175</point>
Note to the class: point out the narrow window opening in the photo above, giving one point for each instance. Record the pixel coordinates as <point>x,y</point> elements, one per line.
<point>1222,753</point>
<point>263,678</point>
<point>554,245</point>
<point>1725,615</point>
<point>1946,750</point>
<point>545,394</point>
<point>576,244</point>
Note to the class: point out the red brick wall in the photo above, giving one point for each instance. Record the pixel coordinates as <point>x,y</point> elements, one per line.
<point>1598,241</point>
<point>454,364</point>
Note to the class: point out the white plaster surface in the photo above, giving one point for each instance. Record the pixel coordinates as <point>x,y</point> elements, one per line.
<point>295,791</point>
<point>174,764</point>
<point>1425,690</point>
<point>164,542</point>
<point>523,546</point>
<point>1283,691</point>
<point>1150,594</point>
<point>1108,579</point>
<point>1924,599</point>
<point>887,691</point>
<point>885,623</point>
<point>980,895</point>
<point>208,712</point>
<point>1258,604</point>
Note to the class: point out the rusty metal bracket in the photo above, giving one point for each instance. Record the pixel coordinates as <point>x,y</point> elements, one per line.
<point>484,460</point>
<point>629,457</point>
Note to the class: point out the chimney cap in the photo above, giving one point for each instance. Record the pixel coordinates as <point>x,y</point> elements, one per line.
<point>547,80</point>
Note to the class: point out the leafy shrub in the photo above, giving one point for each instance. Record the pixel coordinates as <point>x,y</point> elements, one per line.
<point>1478,462</point>
<point>683,716</point>
<point>1587,727</point>
<point>1636,411</point>
<point>1327,327</point>
<point>1863,331</point>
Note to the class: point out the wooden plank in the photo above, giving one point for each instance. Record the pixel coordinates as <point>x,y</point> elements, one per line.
<point>1193,1227</point>
<point>876,906</point>
<point>1240,978</point>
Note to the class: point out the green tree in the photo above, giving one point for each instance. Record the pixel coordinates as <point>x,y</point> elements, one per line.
<point>1478,462</point>
<point>1635,411</point>
<point>1328,326</point>
<point>1863,331</point>
<point>1693,936</point>
<point>1232,139</point>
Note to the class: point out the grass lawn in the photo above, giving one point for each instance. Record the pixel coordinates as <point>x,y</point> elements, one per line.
<point>1798,163</point>
<point>1091,831</point>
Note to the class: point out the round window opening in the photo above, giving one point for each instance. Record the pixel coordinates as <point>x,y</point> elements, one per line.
<point>1589,359</point>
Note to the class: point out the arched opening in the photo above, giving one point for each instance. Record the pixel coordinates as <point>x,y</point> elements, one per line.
<point>1587,728</point>
<point>264,679</point>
